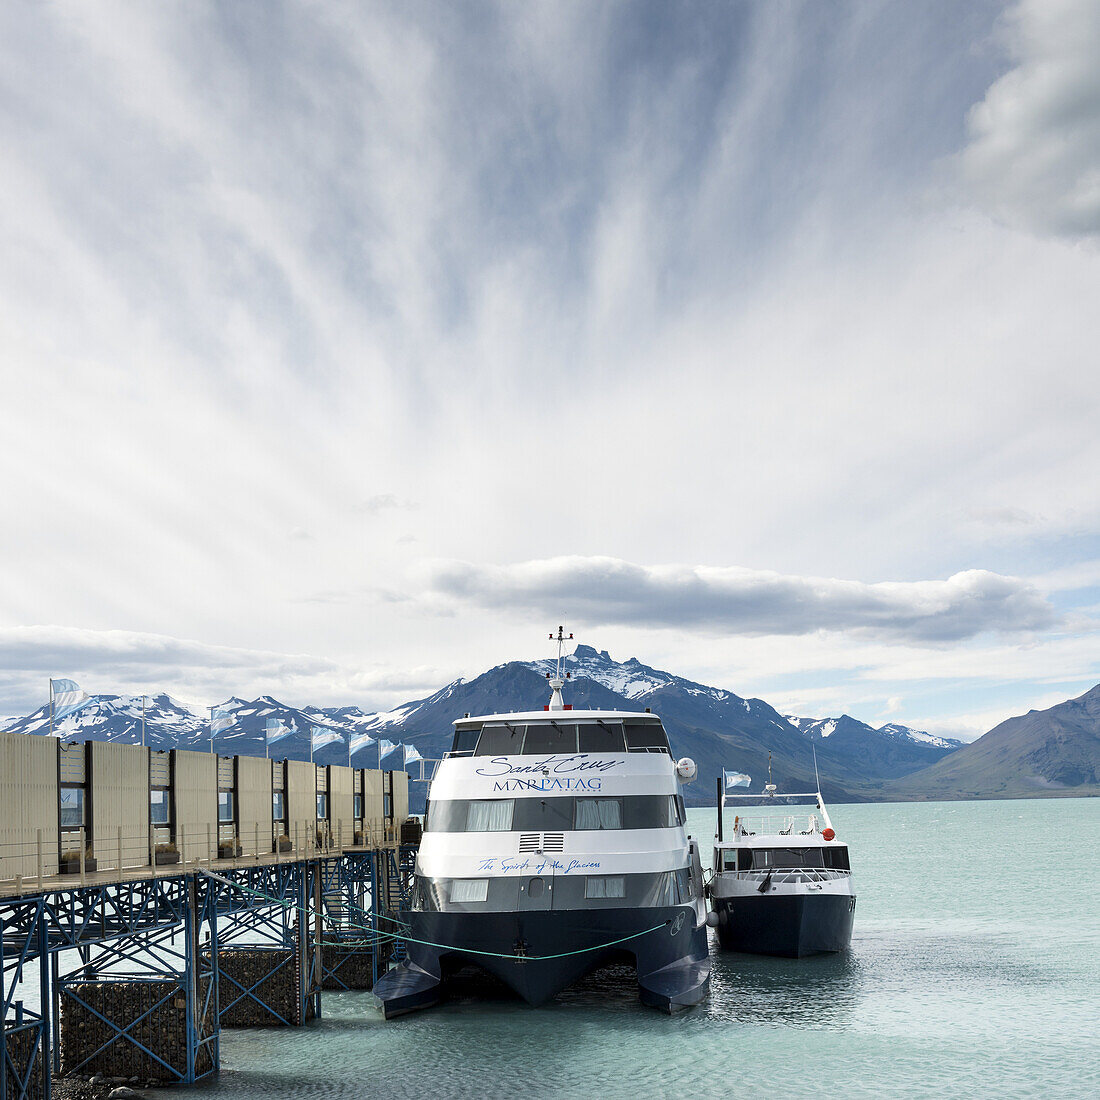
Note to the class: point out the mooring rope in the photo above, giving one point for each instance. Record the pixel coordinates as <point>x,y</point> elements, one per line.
<point>309,914</point>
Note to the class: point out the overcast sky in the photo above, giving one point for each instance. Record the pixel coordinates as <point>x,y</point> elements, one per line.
<point>349,348</point>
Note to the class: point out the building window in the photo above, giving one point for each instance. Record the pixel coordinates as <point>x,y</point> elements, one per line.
<point>322,806</point>
<point>72,807</point>
<point>387,804</point>
<point>358,811</point>
<point>158,807</point>
<point>278,806</point>
<point>225,807</point>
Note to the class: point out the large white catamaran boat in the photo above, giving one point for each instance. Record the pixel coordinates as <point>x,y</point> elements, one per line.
<point>555,843</point>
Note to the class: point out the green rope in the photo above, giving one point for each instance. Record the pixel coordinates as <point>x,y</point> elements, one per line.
<point>427,943</point>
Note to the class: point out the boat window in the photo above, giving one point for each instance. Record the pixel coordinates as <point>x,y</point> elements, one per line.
<point>465,740</point>
<point>469,889</point>
<point>683,885</point>
<point>490,816</point>
<point>674,817</point>
<point>535,888</point>
<point>643,736</point>
<point>601,737</point>
<point>500,740</point>
<point>780,858</point>
<point>599,813</point>
<point>837,858</point>
<point>604,886</point>
<point>550,737</point>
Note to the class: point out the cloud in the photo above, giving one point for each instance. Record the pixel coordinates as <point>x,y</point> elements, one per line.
<point>1034,151</point>
<point>385,502</point>
<point>111,661</point>
<point>745,601</point>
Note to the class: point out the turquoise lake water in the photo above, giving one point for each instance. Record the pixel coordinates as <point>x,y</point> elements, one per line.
<point>974,970</point>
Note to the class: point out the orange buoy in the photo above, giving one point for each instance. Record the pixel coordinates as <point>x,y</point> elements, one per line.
<point>828,834</point>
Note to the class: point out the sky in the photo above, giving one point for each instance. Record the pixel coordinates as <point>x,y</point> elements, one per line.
<point>347,349</point>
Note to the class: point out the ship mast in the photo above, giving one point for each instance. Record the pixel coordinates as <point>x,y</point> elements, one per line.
<point>557,681</point>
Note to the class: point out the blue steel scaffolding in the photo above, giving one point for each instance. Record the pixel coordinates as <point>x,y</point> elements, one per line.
<point>127,935</point>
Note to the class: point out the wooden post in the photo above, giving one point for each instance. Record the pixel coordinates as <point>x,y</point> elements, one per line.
<point>81,855</point>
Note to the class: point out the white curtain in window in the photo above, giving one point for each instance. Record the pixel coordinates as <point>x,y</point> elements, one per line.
<point>490,817</point>
<point>599,813</point>
<point>605,886</point>
<point>469,889</point>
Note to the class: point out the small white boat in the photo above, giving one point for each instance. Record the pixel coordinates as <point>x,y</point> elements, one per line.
<point>782,883</point>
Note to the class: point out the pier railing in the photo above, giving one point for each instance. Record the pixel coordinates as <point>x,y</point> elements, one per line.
<point>121,855</point>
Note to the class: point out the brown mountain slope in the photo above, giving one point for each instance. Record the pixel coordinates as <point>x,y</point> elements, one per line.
<point>1055,751</point>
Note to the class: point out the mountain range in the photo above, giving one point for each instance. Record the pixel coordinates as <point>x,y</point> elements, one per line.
<point>1049,752</point>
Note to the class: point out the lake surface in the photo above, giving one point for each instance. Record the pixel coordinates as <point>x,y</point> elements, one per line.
<point>974,970</point>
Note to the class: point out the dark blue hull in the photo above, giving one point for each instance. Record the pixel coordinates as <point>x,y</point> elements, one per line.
<point>539,953</point>
<point>794,925</point>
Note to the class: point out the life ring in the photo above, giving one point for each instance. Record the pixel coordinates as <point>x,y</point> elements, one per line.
<point>828,834</point>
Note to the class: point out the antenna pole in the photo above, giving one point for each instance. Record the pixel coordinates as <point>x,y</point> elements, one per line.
<point>557,682</point>
<point>721,802</point>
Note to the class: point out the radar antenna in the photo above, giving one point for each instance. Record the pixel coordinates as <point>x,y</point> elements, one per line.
<point>557,681</point>
<point>769,789</point>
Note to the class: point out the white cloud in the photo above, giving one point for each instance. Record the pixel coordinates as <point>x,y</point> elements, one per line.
<point>119,661</point>
<point>601,590</point>
<point>1034,151</point>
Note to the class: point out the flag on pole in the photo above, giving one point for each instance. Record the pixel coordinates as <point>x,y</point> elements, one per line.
<point>385,748</point>
<point>736,779</point>
<point>360,741</point>
<point>66,697</point>
<point>276,729</point>
<point>412,754</point>
<point>221,718</point>
<point>319,737</point>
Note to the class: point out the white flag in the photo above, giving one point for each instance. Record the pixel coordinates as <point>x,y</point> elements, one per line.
<point>736,779</point>
<point>385,748</point>
<point>319,737</point>
<point>221,718</point>
<point>276,730</point>
<point>67,697</point>
<point>360,741</point>
<point>411,755</point>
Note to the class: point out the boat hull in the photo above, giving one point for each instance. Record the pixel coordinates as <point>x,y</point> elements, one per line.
<point>537,954</point>
<point>792,925</point>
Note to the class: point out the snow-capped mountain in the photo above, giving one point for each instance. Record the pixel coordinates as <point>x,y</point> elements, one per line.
<point>888,752</point>
<point>168,722</point>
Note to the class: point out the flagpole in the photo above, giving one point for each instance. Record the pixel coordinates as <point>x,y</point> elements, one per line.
<point>51,706</point>
<point>143,721</point>
<point>211,731</point>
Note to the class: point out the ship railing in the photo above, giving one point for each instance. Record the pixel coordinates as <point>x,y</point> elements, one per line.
<point>794,875</point>
<point>788,825</point>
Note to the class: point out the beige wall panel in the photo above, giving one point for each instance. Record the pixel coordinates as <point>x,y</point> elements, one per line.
<point>400,796</point>
<point>254,798</point>
<point>342,806</point>
<point>118,780</point>
<point>196,794</point>
<point>372,798</point>
<point>28,802</point>
<point>301,801</point>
